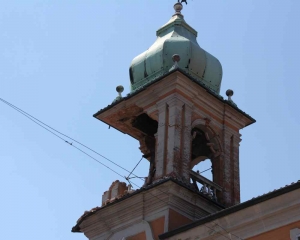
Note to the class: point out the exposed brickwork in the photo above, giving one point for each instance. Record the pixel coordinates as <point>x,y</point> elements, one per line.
<point>186,141</point>
<point>161,139</point>
<point>174,136</point>
<point>173,146</point>
<point>178,107</point>
<point>116,190</point>
<point>229,177</point>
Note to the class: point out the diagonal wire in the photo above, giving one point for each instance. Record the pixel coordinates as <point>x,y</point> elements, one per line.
<point>40,123</point>
<point>68,142</point>
<point>37,120</point>
<point>205,170</point>
<point>134,167</point>
<point>47,128</point>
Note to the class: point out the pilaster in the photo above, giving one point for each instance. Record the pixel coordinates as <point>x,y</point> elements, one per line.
<point>186,141</point>
<point>173,148</point>
<point>230,163</point>
<point>161,136</point>
<point>174,136</point>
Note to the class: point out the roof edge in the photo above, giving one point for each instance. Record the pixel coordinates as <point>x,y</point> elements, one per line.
<point>87,214</point>
<point>232,209</point>
<point>219,97</point>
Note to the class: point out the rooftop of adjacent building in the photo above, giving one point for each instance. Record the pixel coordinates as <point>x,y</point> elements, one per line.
<point>252,202</point>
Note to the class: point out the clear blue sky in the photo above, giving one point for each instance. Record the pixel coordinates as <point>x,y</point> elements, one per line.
<point>61,62</point>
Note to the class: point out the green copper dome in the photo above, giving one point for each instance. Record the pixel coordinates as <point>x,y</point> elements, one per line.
<point>176,37</point>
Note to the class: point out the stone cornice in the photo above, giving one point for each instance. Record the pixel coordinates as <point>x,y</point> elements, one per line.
<point>203,102</point>
<point>174,74</point>
<point>168,193</point>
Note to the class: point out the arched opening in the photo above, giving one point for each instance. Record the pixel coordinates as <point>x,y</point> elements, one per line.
<point>200,145</point>
<point>204,151</point>
<point>201,148</point>
<point>204,168</point>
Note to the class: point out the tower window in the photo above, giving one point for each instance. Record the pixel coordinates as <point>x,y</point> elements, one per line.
<point>203,158</point>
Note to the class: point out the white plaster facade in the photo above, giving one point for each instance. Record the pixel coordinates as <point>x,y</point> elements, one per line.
<point>251,221</point>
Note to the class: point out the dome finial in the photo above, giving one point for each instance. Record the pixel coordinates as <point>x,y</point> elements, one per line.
<point>229,94</point>
<point>119,90</point>
<point>178,7</point>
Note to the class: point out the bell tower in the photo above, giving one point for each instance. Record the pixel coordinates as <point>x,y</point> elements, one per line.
<point>177,114</point>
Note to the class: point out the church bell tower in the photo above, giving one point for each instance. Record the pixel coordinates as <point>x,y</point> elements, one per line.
<point>177,114</point>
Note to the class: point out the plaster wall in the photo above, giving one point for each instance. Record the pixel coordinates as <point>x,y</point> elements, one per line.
<point>271,219</point>
<point>281,233</point>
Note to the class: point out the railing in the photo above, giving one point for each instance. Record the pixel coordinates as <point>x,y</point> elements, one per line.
<point>208,188</point>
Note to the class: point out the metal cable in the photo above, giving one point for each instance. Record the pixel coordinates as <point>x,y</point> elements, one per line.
<point>38,122</point>
<point>42,124</point>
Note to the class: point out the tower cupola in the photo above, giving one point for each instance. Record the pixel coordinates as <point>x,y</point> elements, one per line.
<point>176,113</point>
<point>176,37</point>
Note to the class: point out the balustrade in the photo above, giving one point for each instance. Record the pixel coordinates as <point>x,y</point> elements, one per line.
<point>208,188</point>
